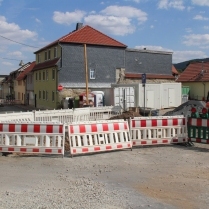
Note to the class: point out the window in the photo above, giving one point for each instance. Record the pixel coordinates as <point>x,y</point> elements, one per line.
<point>39,95</point>
<point>31,78</point>
<point>40,75</point>
<point>45,55</point>
<point>36,76</point>
<point>39,58</point>
<point>19,95</point>
<point>46,95</point>
<point>92,74</point>
<point>43,75</point>
<point>47,75</point>
<point>43,94</point>
<point>55,52</point>
<point>49,54</point>
<point>53,96</point>
<point>53,73</point>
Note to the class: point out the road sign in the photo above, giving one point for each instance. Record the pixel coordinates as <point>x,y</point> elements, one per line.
<point>143,78</point>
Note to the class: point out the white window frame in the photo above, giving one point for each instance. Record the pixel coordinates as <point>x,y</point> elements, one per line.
<point>92,73</point>
<point>45,55</point>
<point>55,52</point>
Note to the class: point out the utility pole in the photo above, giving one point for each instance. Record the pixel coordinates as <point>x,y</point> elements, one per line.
<point>86,74</point>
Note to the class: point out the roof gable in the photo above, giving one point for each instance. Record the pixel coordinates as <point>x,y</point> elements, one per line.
<point>198,71</point>
<point>47,64</point>
<point>89,35</point>
<point>24,73</point>
<point>86,35</point>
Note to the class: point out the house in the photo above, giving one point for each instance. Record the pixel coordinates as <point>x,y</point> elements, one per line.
<point>196,77</point>
<point>63,63</point>
<point>24,90</point>
<point>17,87</point>
<point>86,59</point>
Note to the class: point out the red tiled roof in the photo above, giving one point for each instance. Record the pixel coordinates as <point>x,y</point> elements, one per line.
<point>87,35</point>
<point>148,76</point>
<point>47,64</point>
<point>174,71</point>
<point>23,74</point>
<point>195,72</point>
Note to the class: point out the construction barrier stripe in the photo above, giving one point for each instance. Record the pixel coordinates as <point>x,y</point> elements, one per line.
<point>198,122</point>
<point>93,128</point>
<point>31,150</point>
<point>198,140</point>
<point>31,128</point>
<point>157,141</point>
<point>78,150</point>
<point>158,122</point>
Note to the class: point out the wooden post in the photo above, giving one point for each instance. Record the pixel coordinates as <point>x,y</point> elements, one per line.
<point>86,73</point>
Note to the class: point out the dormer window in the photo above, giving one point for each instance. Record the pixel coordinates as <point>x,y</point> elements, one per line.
<point>45,55</point>
<point>55,52</point>
<point>49,54</point>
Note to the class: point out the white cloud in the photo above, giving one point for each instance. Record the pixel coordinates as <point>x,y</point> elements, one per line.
<point>200,17</point>
<point>37,20</point>
<point>181,56</point>
<point>196,39</point>
<point>110,24</point>
<point>201,2</point>
<point>14,32</point>
<point>7,63</point>
<point>68,18</point>
<point>16,54</point>
<point>117,20</point>
<point>125,11</point>
<point>206,27</point>
<point>1,2</point>
<point>176,4</point>
<point>188,30</point>
<point>151,26</point>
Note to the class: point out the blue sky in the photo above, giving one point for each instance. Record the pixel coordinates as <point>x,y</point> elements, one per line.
<point>179,26</point>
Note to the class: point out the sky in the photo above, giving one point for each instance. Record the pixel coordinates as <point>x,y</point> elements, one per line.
<point>177,26</point>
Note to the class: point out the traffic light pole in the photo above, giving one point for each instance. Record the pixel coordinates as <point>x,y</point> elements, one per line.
<point>143,84</point>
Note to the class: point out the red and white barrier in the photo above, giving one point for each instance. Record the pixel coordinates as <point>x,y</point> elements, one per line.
<point>31,137</point>
<point>98,136</point>
<point>158,130</point>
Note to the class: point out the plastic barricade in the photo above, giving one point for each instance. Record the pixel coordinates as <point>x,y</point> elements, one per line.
<point>17,116</point>
<point>198,130</point>
<point>35,138</point>
<point>158,130</point>
<point>63,116</point>
<point>98,136</point>
<point>103,113</point>
<point>81,114</point>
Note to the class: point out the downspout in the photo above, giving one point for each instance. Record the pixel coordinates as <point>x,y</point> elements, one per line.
<point>203,91</point>
<point>57,70</point>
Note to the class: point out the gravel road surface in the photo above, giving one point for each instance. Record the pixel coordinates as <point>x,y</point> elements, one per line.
<point>158,177</point>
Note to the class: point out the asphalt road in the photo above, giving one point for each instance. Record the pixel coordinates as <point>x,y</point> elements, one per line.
<point>14,108</point>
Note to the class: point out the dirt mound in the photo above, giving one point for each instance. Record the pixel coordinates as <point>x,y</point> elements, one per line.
<point>126,115</point>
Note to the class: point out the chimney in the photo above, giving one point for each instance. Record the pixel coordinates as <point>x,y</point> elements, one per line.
<point>79,25</point>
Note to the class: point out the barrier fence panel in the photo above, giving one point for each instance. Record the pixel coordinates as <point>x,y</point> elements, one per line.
<point>63,116</point>
<point>81,114</point>
<point>158,130</point>
<point>98,136</point>
<point>37,137</point>
<point>106,112</point>
<point>17,116</point>
<point>198,130</point>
